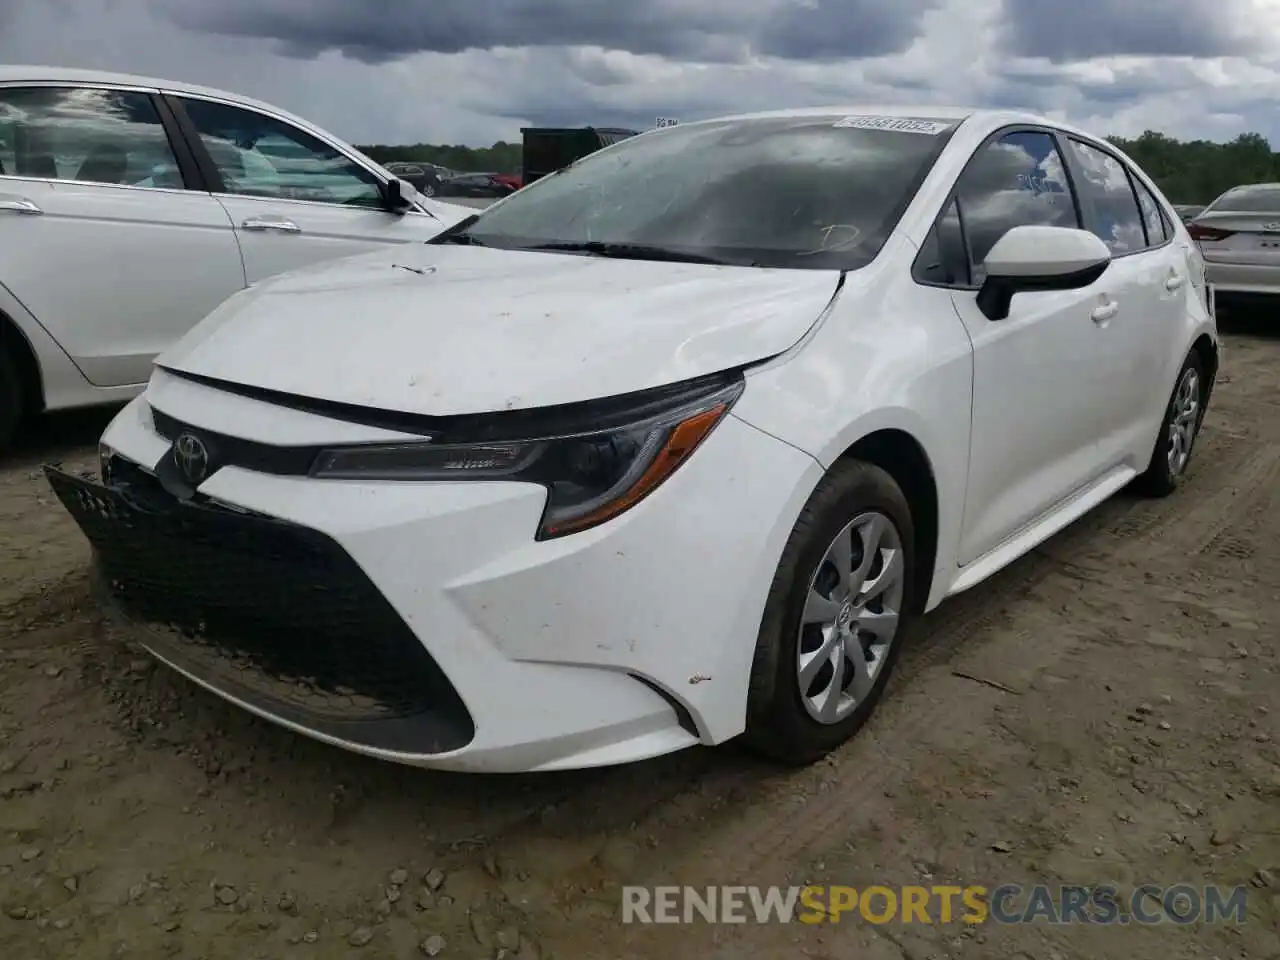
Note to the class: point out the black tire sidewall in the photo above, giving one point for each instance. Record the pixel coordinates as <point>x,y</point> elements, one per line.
<point>777,722</point>
<point>10,399</point>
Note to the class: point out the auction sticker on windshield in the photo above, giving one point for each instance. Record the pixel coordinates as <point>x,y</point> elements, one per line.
<point>897,124</point>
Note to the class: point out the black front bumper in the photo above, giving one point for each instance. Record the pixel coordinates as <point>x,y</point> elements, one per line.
<point>266,612</point>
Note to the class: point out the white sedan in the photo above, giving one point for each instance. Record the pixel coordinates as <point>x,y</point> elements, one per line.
<point>665,448</point>
<point>131,207</point>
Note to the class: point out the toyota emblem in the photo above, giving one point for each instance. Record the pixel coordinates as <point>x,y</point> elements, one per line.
<point>191,457</point>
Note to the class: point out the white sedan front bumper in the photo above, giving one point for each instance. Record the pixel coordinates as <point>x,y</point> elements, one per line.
<point>626,641</point>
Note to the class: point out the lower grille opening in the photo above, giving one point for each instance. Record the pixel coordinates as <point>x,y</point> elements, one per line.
<point>271,613</point>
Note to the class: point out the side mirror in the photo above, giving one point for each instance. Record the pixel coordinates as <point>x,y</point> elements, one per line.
<point>398,195</point>
<point>1037,258</point>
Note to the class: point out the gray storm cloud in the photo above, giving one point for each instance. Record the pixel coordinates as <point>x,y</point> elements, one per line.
<point>708,30</point>
<point>1064,31</point>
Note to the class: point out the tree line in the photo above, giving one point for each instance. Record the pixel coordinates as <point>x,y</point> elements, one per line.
<point>1194,171</point>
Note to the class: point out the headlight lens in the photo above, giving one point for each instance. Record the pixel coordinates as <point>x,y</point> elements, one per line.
<point>590,477</point>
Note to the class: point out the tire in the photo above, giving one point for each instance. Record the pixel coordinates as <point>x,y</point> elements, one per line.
<point>1165,471</point>
<point>10,399</point>
<point>781,722</point>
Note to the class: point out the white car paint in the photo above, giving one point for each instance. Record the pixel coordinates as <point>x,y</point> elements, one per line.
<point>505,330</point>
<point>637,636</point>
<point>98,278</point>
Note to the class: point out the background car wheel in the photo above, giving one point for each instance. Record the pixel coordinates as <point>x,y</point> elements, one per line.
<point>835,616</point>
<point>10,399</point>
<point>1178,431</point>
<point>429,190</point>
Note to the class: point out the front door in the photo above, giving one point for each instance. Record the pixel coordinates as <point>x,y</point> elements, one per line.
<point>103,243</point>
<point>295,200</point>
<point>1039,375</point>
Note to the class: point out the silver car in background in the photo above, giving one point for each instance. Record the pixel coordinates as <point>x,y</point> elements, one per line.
<point>1239,235</point>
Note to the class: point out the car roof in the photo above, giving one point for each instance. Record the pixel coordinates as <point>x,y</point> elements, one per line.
<point>24,73</point>
<point>975,116</point>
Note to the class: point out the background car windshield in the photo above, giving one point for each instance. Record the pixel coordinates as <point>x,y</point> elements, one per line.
<point>1263,198</point>
<point>815,192</point>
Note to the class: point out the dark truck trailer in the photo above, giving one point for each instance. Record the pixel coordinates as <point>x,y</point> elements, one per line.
<point>548,149</point>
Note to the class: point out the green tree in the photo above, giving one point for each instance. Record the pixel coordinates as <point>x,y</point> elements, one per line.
<point>1199,171</point>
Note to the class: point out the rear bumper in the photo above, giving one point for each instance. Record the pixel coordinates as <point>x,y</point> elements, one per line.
<point>1232,279</point>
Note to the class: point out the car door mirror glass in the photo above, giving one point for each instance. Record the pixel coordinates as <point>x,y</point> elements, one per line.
<point>1039,258</point>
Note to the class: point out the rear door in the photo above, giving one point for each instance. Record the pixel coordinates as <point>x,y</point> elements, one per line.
<point>108,238</point>
<point>1149,280</point>
<point>1239,236</point>
<point>295,199</point>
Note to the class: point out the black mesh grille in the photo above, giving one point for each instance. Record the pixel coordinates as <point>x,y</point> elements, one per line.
<point>251,603</point>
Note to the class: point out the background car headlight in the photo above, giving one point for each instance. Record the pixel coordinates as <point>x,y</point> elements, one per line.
<point>590,476</point>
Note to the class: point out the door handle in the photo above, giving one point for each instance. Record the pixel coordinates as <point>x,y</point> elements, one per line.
<point>1174,282</point>
<point>19,205</point>
<point>1105,312</point>
<point>279,225</point>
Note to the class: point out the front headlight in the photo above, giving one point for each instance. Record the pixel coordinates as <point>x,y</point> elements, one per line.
<point>591,475</point>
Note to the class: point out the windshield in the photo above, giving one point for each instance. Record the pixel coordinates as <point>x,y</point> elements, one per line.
<point>1260,198</point>
<point>806,192</point>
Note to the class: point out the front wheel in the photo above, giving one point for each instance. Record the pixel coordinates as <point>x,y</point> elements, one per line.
<point>1178,431</point>
<point>834,618</point>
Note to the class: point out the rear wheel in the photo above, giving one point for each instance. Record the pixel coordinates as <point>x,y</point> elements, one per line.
<point>1178,431</point>
<point>836,611</point>
<point>10,398</point>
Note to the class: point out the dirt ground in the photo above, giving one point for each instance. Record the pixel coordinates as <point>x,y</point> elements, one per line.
<point>1104,710</point>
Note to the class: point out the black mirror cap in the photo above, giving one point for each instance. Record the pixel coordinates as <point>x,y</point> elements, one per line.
<point>393,199</point>
<point>995,296</point>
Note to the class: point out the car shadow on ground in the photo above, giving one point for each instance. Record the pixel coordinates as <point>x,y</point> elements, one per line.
<point>53,436</point>
<point>1254,320</point>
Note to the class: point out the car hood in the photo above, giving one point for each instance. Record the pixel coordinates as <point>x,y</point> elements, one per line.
<point>441,330</point>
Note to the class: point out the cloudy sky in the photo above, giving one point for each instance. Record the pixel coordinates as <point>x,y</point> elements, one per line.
<point>474,71</point>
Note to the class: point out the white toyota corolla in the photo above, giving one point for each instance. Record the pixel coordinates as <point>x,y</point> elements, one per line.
<point>668,447</point>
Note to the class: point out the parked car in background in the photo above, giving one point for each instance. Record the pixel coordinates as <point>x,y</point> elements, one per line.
<point>425,177</point>
<point>1188,211</point>
<point>476,185</point>
<point>512,180</point>
<point>131,207</point>
<point>670,446</point>
<point>548,149</point>
<point>1239,235</point>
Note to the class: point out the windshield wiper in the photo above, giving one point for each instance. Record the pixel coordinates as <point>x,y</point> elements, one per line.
<point>630,251</point>
<point>458,233</point>
<point>463,238</point>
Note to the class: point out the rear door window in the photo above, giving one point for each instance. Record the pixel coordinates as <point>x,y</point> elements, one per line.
<point>92,135</point>
<point>1106,193</point>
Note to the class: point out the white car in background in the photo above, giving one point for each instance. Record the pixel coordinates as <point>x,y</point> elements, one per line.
<point>1239,235</point>
<point>131,207</point>
<point>667,447</point>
